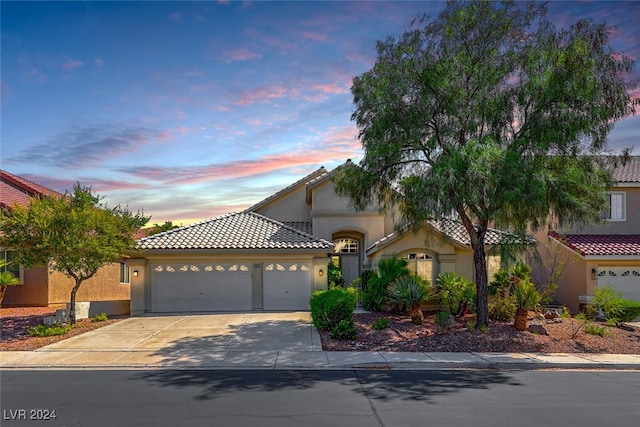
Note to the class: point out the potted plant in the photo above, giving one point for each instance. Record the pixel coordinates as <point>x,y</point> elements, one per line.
<point>527,298</point>
<point>6,279</point>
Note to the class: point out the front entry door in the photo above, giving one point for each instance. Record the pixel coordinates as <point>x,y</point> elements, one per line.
<point>350,266</point>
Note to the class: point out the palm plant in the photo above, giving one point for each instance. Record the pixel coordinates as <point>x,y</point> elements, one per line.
<point>527,298</point>
<point>409,292</point>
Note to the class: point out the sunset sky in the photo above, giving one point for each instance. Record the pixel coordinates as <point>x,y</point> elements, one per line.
<point>190,110</point>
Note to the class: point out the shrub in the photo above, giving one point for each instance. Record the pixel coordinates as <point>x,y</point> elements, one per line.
<point>629,310</point>
<point>330,307</point>
<point>594,329</point>
<point>102,317</point>
<point>48,330</point>
<point>526,295</point>
<point>380,323</point>
<point>455,292</point>
<point>502,308</point>
<point>344,330</point>
<point>607,301</point>
<point>375,291</point>
<point>443,319</point>
<point>409,292</point>
<point>334,276</point>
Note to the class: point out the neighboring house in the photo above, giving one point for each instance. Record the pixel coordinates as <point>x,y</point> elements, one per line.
<point>275,254</point>
<point>109,290</point>
<point>602,254</point>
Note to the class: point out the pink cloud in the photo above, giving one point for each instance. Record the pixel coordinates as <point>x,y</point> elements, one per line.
<point>98,62</point>
<point>70,64</point>
<point>241,55</point>
<point>332,88</point>
<point>262,94</point>
<point>314,36</point>
<point>176,17</point>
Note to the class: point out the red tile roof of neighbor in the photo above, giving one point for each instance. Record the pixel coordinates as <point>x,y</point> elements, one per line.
<point>600,244</point>
<point>16,190</point>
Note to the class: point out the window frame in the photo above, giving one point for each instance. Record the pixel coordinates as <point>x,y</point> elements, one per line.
<point>20,269</point>
<point>607,214</point>
<point>125,274</point>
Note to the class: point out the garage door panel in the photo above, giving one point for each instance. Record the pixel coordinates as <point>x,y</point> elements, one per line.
<point>286,286</point>
<point>625,280</point>
<point>200,287</point>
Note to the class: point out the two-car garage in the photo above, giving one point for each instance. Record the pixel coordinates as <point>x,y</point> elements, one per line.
<point>215,286</point>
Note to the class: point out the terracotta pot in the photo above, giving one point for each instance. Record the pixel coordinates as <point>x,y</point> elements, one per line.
<point>521,319</point>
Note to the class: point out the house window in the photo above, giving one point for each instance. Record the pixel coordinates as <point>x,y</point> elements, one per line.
<point>10,264</point>
<point>615,207</point>
<point>345,246</point>
<point>124,273</point>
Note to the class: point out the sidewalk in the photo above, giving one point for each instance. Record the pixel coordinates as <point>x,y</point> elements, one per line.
<point>281,359</point>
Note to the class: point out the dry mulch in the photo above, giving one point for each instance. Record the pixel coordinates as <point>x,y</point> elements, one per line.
<point>14,322</point>
<point>402,335</point>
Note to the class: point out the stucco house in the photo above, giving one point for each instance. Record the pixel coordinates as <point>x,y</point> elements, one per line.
<point>600,254</point>
<point>273,255</point>
<point>108,291</point>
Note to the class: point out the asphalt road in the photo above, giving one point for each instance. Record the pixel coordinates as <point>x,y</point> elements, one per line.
<point>320,398</point>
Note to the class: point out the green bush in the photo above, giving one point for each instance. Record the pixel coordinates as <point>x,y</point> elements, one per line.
<point>594,329</point>
<point>48,330</point>
<point>409,292</point>
<point>102,317</point>
<point>344,330</point>
<point>334,276</point>
<point>502,308</point>
<point>380,323</point>
<point>388,270</point>
<point>330,307</point>
<point>443,318</point>
<point>455,292</point>
<point>629,310</point>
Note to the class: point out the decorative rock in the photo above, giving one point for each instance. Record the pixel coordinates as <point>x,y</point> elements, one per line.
<point>551,314</point>
<point>537,328</point>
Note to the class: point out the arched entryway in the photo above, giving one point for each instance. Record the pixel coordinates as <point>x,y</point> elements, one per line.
<point>347,254</point>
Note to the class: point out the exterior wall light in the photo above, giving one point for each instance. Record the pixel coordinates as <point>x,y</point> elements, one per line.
<point>594,272</point>
<point>135,273</point>
<point>321,273</point>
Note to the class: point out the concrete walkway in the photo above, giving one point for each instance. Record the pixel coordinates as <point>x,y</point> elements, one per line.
<point>261,341</point>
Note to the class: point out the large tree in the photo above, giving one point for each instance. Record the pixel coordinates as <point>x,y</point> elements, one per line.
<point>491,114</point>
<point>74,234</point>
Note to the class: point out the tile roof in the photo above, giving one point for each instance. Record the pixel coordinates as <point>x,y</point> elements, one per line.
<point>600,244</point>
<point>16,190</point>
<point>629,172</point>
<point>240,230</point>
<point>455,231</point>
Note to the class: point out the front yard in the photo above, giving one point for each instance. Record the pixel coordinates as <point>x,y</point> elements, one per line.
<point>402,335</point>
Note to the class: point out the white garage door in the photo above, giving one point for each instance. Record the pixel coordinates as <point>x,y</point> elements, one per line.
<point>625,280</point>
<point>200,287</point>
<point>286,286</point>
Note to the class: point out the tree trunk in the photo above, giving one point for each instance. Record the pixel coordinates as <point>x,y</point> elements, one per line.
<point>72,308</point>
<point>3,289</point>
<point>482,286</point>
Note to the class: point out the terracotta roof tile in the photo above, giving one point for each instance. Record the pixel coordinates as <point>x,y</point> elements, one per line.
<point>16,190</point>
<point>600,244</point>
<point>455,231</point>
<point>242,230</point>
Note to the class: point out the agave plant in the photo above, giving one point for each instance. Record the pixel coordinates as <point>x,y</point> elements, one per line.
<point>409,292</point>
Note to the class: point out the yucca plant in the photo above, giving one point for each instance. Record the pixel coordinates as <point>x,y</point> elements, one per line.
<point>409,292</point>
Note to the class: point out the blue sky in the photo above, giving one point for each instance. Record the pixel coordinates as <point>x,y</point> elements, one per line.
<point>189,110</point>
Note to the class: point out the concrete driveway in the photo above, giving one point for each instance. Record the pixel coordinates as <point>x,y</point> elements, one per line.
<point>165,334</point>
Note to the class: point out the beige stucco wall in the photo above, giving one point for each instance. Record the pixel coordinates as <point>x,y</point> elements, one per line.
<point>631,225</point>
<point>291,206</point>
<point>104,286</point>
<point>34,290</point>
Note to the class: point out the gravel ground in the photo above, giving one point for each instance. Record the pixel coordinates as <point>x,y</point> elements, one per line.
<point>402,335</point>
<point>14,322</point>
